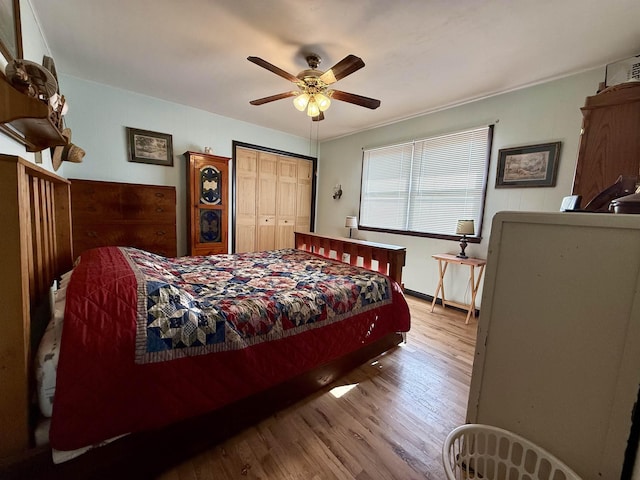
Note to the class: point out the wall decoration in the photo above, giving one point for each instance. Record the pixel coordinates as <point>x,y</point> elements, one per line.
<point>10,31</point>
<point>530,166</point>
<point>150,147</point>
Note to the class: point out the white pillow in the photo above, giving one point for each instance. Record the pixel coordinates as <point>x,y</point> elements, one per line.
<point>46,360</point>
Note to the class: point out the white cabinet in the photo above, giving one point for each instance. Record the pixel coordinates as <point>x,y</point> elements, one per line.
<point>558,350</point>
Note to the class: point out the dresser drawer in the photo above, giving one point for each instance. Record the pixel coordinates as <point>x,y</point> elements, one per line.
<point>117,201</point>
<point>160,239</point>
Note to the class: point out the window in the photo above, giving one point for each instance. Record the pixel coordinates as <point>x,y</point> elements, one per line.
<point>424,187</point>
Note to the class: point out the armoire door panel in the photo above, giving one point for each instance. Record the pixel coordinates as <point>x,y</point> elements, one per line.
<point>207,203</point>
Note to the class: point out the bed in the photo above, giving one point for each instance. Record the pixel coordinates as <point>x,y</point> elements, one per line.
<point>201,369</point>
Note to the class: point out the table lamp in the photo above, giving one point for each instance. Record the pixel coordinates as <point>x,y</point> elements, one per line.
<point>464,228</point>
<point>351,223</point>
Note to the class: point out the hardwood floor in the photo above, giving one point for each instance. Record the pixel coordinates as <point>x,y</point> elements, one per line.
<point>390,424</point>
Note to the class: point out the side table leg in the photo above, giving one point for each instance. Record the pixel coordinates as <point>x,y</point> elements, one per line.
<point>472,305</point>
<point>474,290</point>
<point>440,287</point>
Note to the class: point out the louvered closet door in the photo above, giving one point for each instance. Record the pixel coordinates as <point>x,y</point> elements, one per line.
<point>246,199</point>
<point>267,196</point>
<point>272,199</point>
<point>303,199</point>
<point>286,206</point>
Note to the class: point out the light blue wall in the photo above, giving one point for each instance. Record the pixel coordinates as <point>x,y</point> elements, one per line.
<point>34,47</point>
<point>99,114</point>
<point>543,113</point>
<point>98,117</point>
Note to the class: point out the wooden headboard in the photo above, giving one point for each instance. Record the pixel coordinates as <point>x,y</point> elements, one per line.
<point>36,248</point>
<point>123,214</point>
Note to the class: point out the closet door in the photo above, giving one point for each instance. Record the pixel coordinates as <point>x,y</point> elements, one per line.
<point>273,199</point>
<point>246,199</point>
<point>286,205</point>
<point>207,209</point>
<point>267,191</point>
<point>303,199</point>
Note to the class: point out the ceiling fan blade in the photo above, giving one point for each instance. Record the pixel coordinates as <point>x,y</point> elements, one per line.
<point>344,67</point>
<point>272,68</point>
<point>273,98</point>
<point>318,117</point>
<point>367,102</point>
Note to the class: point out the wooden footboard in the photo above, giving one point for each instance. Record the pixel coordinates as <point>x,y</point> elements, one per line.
<point>36,248</point>
<point>388,259</point>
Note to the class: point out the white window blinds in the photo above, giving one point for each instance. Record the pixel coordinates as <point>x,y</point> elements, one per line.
<point>425,186</point>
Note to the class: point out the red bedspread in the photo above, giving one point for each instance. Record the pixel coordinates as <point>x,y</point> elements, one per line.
<point>124,368</point>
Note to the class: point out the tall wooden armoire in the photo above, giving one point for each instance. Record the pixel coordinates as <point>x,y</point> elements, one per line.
<point>207,203</point>
<point>610,143</point>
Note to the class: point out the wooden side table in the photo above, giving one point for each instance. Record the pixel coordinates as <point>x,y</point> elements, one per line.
<point>444,259</point>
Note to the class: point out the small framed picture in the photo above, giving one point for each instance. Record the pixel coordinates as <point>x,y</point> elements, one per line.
<point>530,166</point>
<point>10,33</point>
<point>150,147</point>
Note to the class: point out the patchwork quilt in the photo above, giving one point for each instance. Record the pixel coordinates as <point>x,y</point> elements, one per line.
<point>148,341</point>
<point>198,305</point>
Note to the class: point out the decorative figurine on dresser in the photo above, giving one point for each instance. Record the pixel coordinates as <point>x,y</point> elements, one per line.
<point>207,203</point>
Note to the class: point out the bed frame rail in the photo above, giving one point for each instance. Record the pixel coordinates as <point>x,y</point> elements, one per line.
<point>389,259</point>
<point>36,248</point>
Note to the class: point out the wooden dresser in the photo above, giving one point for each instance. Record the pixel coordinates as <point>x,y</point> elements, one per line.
<point>610,144</point>
<point>123,214</point>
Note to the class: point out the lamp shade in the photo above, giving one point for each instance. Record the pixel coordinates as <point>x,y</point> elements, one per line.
<point>465,227</point>
<point>301,101</point>
<point>313,110</point>
<point>351,222</point>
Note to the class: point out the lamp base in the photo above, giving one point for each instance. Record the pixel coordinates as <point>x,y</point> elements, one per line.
<point>463,246</point>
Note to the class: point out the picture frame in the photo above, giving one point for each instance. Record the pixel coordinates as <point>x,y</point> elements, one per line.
<point>150,147</point>
<point>528,166</point>
<point>10,30</point>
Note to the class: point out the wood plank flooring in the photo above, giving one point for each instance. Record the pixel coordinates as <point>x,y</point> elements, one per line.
<point>390,424</point>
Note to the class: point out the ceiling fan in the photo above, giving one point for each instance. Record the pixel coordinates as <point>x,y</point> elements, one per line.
<point>314,94</point>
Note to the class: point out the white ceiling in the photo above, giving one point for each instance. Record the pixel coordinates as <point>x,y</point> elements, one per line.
<point>420,55</point>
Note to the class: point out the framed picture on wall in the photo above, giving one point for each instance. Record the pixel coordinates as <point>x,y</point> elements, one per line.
<point>150,147</point>
<point>10,31</point>
<point>530,166</point>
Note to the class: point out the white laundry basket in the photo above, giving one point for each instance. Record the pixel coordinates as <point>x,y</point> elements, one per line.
<point>476,451</point>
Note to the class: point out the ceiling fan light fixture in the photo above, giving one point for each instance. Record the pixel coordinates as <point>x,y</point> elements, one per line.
<point>301,101</point>
<point>313,110</point>
<point>323,101</point>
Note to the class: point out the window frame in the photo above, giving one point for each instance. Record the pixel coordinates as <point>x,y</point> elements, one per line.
<point>477,238</point>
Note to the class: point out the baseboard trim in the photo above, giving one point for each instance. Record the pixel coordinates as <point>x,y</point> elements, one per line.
<point>429,298</point>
